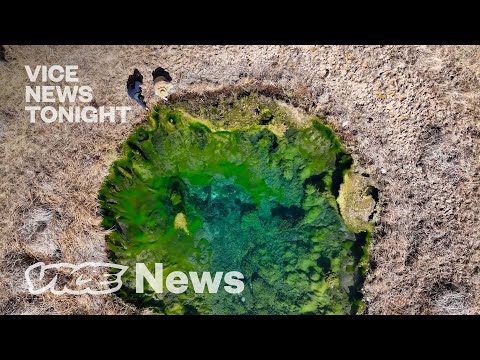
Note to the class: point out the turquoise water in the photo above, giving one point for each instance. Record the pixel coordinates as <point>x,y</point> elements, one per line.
<point>244,199</point>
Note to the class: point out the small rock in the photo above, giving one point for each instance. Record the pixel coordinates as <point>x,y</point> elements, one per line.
<point>383,171</point>
<point>345,124</point>
<point>391,105</point>
<point>324,72</point>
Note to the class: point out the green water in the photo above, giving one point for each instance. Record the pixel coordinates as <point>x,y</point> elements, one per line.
<point>243,199</point>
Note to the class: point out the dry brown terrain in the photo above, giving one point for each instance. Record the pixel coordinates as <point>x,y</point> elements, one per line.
<point>409,114</point>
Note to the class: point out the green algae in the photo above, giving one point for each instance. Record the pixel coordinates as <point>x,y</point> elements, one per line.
<point>201,193</point>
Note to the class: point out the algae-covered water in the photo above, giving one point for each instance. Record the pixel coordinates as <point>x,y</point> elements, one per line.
<point>211,194</point>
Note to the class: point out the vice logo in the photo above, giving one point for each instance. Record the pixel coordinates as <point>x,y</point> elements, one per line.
<point>98,278</point>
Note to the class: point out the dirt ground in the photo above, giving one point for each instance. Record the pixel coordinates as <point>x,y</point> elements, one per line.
<point>409,114</point>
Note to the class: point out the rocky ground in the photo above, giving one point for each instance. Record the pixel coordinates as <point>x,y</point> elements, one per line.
<point>409,114</point>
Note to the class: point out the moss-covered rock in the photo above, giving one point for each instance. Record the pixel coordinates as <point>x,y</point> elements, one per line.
<point>355,203</point>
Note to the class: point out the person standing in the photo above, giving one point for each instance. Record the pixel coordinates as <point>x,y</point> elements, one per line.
<point>162,82</point>
<point>134,90</point>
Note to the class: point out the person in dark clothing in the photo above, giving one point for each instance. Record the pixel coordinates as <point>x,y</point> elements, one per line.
<point>133,88</point>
